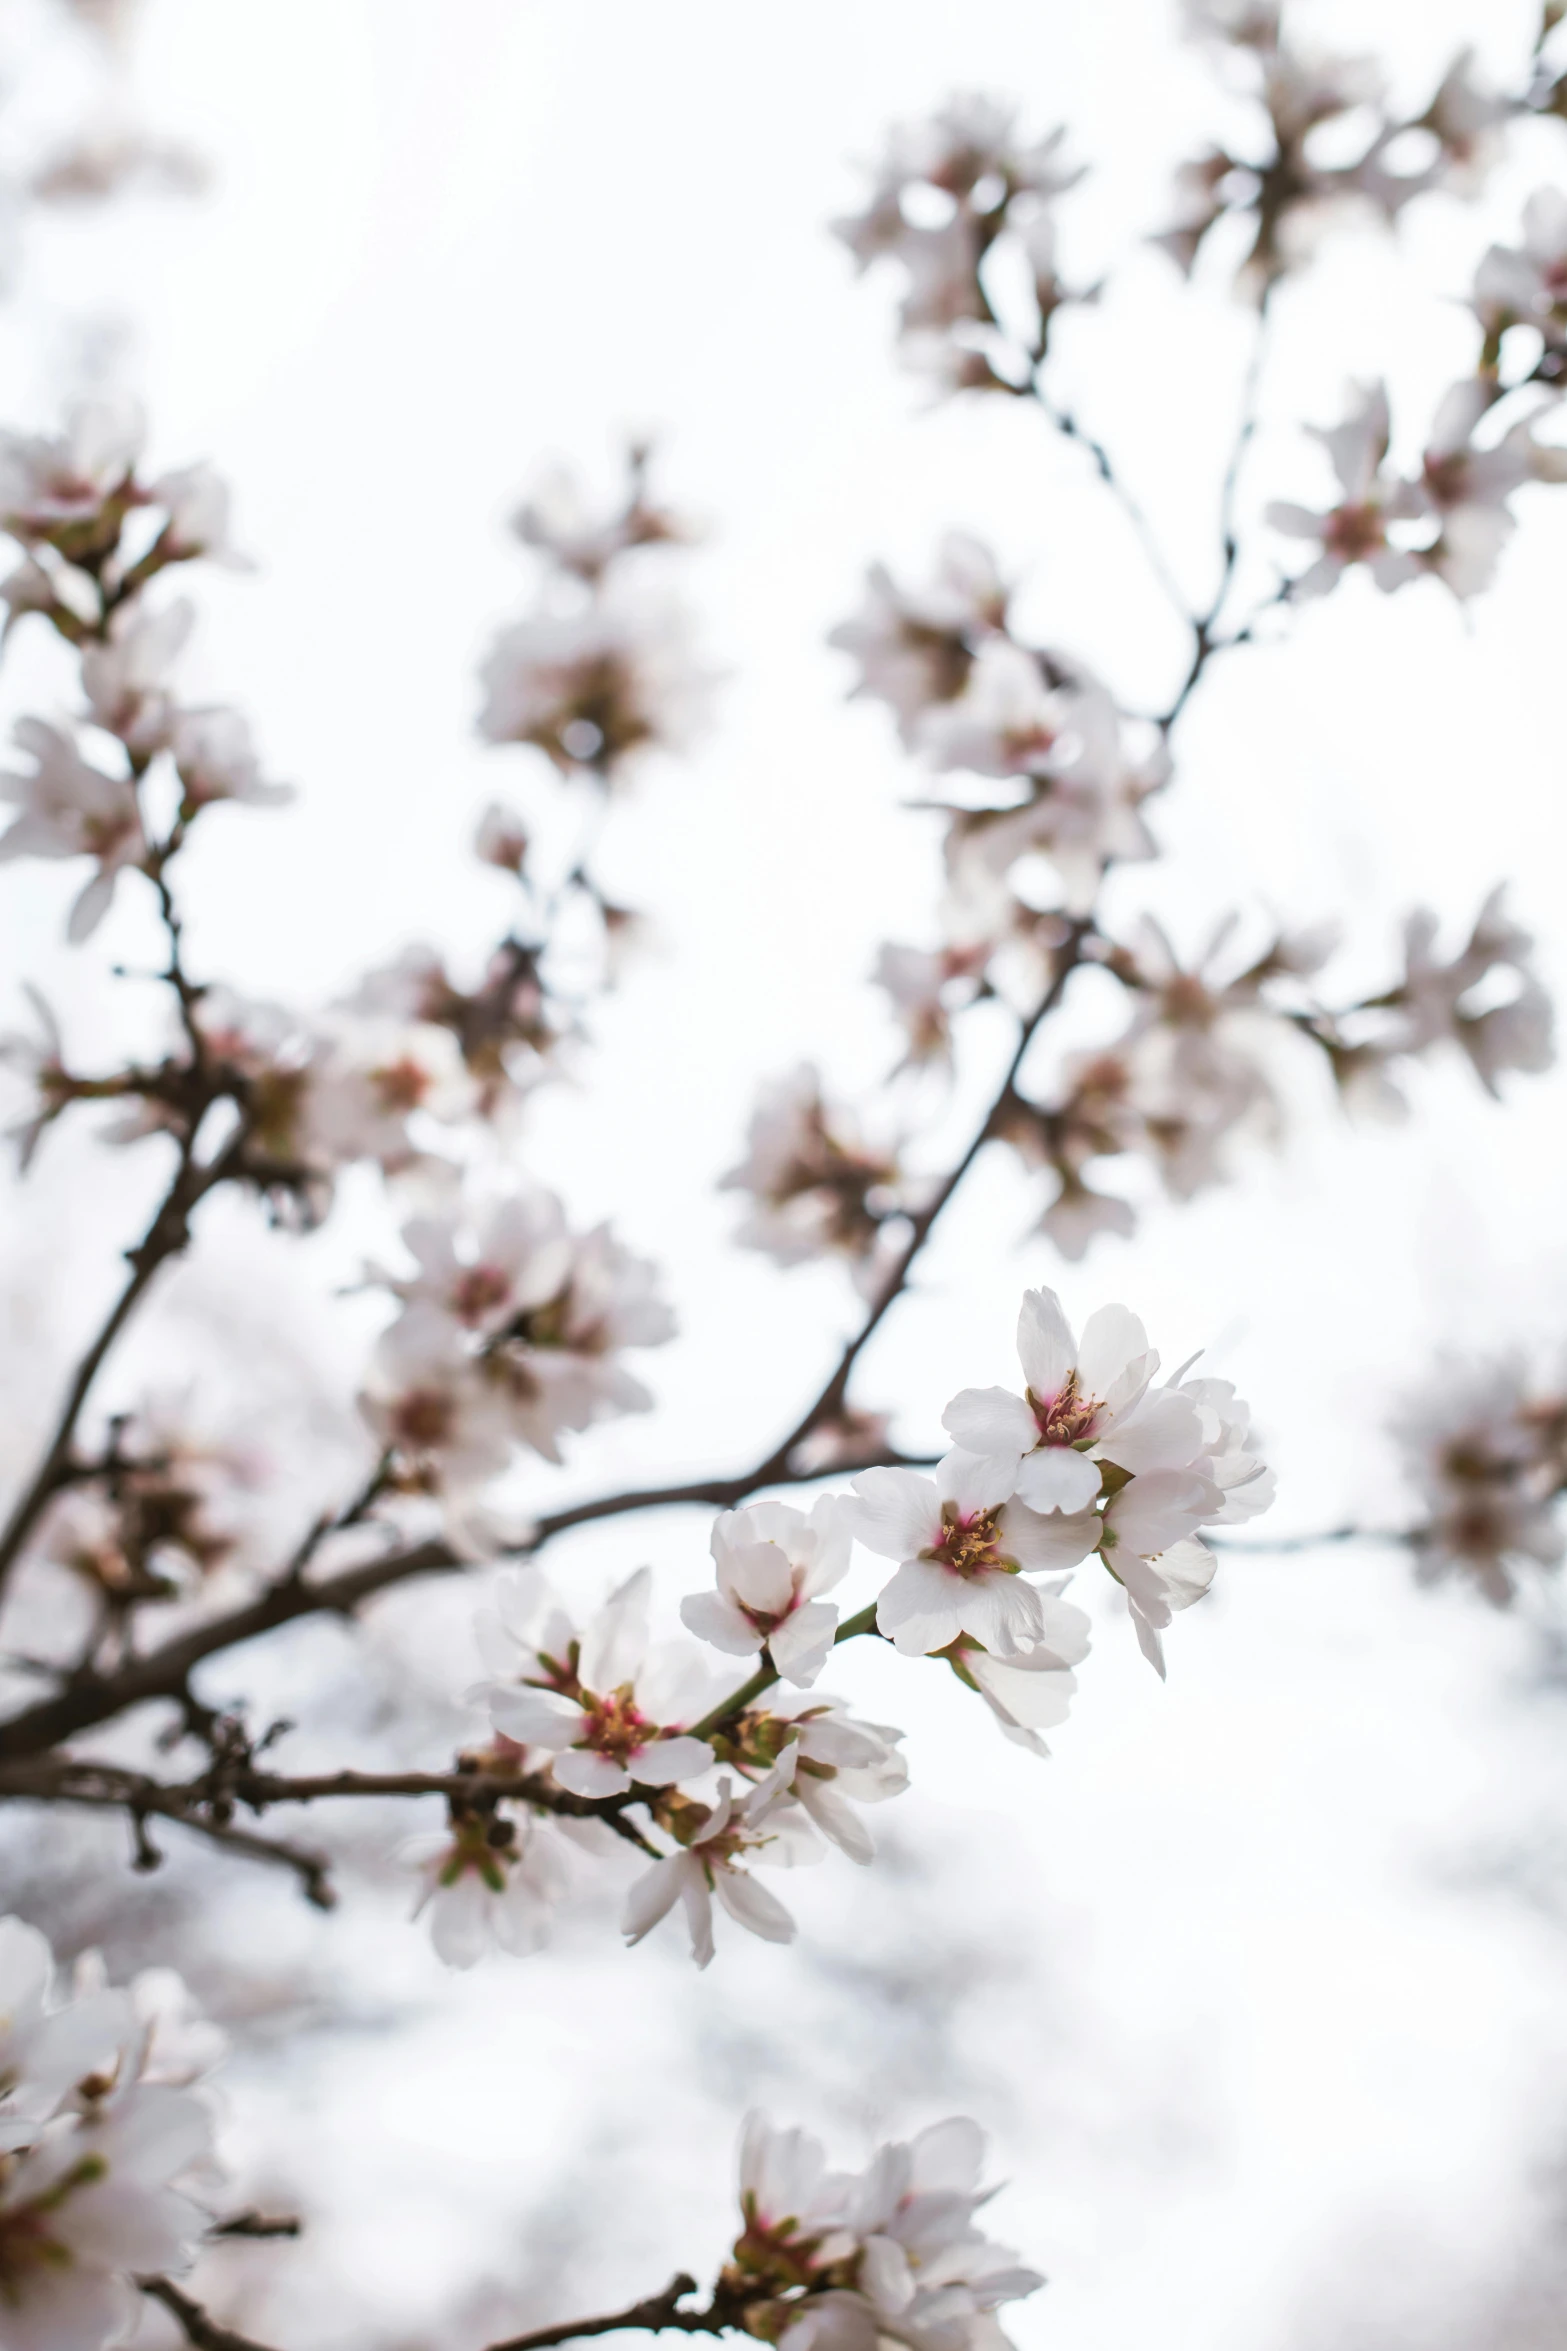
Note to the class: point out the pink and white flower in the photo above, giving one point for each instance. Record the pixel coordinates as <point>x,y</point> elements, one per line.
<point>69,808</point>
<point>1356,530</point>
<point>964,1547</point>
<point>489,1884</point>
<point>772,1563</point>
<point>1085,1401</point>
<point>763,1826</point>
<point>606,1707</point>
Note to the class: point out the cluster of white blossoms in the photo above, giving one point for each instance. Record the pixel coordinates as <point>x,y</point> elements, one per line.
<point>1091,1458</point>
<point>511,1331</point>
<point>604,670</point>
<point>1279,189</point>
<point>1486,1452</point>
<point>94,535</point>
<point>1449,520</point>
<point>104,2144</point>
<point>847,2261</point>
<point>1202,1055</point>
<point>963,206</point>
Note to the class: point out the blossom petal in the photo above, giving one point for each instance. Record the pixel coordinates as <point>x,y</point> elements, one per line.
<point>664,1761</point>
<point>1045,1346</point>
<point>921,1609</point>
<point>1114,1345</point>
<point>898,1513</point>
<point>1050,1540</point>
<point>588,1774</point>
<point>755,1908</point>
<point>1162,1431</point>
<point>1054,1477</point>
<point>990,1420</point>
<point>714,1619</point>
<point>801,1645</point>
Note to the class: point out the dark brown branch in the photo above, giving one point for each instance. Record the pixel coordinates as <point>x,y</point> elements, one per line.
<point>259,2225</point>
<point>652,2317</point>
<point>94,1697</point>
<point>205,2332</point>
<point>166,1237</point>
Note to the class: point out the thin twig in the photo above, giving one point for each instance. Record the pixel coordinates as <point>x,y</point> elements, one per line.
<point>651,2317</point>
<point>199,2328</point>
<point>93,1698</point>
<point>1393,1537</point>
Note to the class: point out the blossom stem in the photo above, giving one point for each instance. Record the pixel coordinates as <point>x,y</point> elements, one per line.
<point>652,2317</point>
<point>729,1709</point>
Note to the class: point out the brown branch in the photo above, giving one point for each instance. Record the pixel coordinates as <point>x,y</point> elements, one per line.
<point>259,2225</point>
<point>166,1237</point>
<point>92,1697</point>
<point>199,2328</point>
<point>651,2317</point>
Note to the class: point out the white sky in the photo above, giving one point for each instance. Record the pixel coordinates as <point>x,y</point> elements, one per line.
<point>1246,1980</point>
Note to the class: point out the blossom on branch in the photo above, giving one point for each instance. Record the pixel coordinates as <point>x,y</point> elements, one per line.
<point>96,2150</point>
<point>772,1563</point>
<point>817,1188</point>
<point>69,808</point>
<point>764,1826</point>
<point>605,1706</point>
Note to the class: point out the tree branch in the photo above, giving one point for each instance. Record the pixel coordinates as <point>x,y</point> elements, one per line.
<point>651,2317</point>
<point>200,2329</point>
<point>93,1698</point>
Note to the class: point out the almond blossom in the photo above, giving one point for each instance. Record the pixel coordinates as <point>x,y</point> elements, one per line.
<point>963,1549</point>
<point>773,1561</point>
<point>597,688</point>
<point>56,486</point>
<point>217,760</point>
<point>69,808</point>
<point>816,1186</point>
<point>490,1883</point>
<point>97,2149</point>
<point>606,1707</point>
<point>125,679</point>
<point>1526,285</point>
<point>1356,530</point>
<point>916,646</point>
<point>1033,1690</point>
<point>840,1761</point>
<point>762,1826</point>
<point>1486,1451</point>
<point>929,2276</point>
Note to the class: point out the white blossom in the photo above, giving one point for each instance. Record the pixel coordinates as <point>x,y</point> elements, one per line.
<point>1080,1398</point>
<point>126,679</point>
<point>489,1883</point>
<point>763,1826</point>
<point>1356,530</point>
<point>1445,1001</point>
<point>98,2148</point>
<point>1486,1452</point>
<point>1033,1690</point>
<point>607,1707</point>
<point>963,1548</point>
<point>840,1762</point>
<point>217,760</point>
<point>51,484</point>
<point>368,1077</point>
<point>1527,284</point>
<point>916,646</point>
<point>595,689</point>
<point>772,1563</point>
<point>70,808</point>
<point>817,1187</point>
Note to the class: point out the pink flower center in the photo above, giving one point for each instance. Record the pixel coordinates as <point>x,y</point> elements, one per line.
<point>616,1727</point>
<point>478,1291</point>
<point>1068,1416</point>
<point>401,1085</point>
<point>969,1544</point>
<point>1354,532</point>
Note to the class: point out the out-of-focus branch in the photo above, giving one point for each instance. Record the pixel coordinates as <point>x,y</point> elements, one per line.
<point>166,1237</point>
<point>94,1697</point>
<point>199,2328</point>
<point>1400,1538</point>
<point>655,2316</point>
